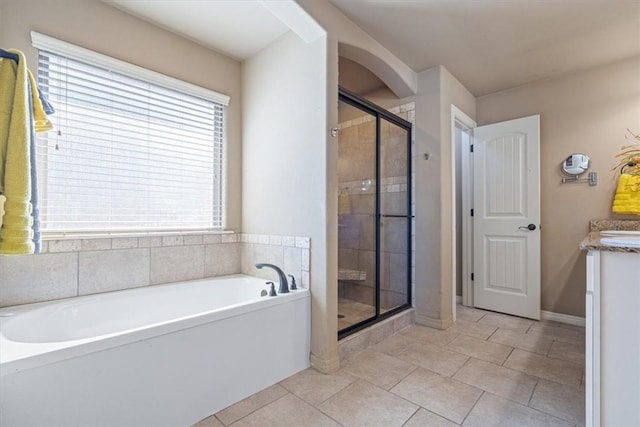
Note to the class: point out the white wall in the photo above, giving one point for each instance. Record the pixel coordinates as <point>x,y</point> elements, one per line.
<point>285,161</point>
<point>586,112</point>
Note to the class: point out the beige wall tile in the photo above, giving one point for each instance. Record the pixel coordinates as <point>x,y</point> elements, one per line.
<point>381,331</point>
<point>247,259</point>
<point>96,244</point>
<point>393,345</point>
<point>389,300</point>
<point>222,259</point>
<point>403,320</point>
<point>352,345</point>
<point>359,293</point>
<point>32,278</point>
<point>275,240</point>
<point>193,239</point>
<point>105,271</point>
<point>303,242</point>
<point>149,242</point>
<point>288,241</point>
<point>229,238</point>
<point>64,245</point>
<point>172,240</point>
<point>292,263</point>
<point>124,243</point>
<point>211,239</point>
<point>176,263</point>
<point>306,259</point>
<point>430,335</point>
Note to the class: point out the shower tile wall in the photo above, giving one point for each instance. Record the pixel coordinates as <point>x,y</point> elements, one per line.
<point>356,209</point>
<point>69,268</point>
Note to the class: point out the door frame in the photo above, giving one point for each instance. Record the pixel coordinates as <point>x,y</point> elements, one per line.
<point>459,117</point>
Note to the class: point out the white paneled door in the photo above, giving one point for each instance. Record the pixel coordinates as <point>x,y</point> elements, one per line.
<point>506,224</point>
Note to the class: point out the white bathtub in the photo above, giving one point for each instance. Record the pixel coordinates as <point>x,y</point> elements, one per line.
<point>161,355</point>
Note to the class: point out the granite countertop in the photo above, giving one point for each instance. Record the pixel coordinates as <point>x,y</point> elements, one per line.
<point>592,241</point>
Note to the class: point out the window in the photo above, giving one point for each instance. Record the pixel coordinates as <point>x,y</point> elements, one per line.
<point>127,153</point>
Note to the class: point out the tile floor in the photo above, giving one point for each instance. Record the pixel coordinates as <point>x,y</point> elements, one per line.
<point>488,369</point>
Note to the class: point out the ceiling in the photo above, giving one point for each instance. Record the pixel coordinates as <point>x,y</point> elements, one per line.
<point>492,45</point>
<point>489,45</point>
<point>238,29</point>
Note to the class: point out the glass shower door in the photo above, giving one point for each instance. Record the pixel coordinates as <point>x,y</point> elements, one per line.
<point>395,216</point>
<point>356,216</point>
<point>374,208</point>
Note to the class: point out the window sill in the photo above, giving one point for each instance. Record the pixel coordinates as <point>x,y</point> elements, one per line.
<point>86,235</point>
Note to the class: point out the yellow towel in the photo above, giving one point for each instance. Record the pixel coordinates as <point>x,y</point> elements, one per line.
<point>16,233</point>
<point>627,199</point>
<point>40,119</point>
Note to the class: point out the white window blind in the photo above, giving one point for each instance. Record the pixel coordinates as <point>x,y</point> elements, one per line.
<point>127,154</point>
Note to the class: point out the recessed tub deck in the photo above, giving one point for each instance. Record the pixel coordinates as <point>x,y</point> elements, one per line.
<point>160,355</point>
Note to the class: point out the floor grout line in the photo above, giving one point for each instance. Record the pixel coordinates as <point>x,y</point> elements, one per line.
<point>255,410</point>
<point>508,356</point>
<point>473,406</point>
<point>492,334</point>
<point>412,415</point>
<point>533,391</point>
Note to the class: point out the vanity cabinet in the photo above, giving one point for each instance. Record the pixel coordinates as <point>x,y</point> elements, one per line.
<point>613,338</point>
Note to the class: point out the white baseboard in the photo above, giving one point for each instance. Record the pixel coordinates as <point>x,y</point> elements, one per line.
<point>562,318</point>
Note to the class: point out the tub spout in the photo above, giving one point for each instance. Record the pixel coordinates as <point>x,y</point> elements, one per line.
<point>284,285</point>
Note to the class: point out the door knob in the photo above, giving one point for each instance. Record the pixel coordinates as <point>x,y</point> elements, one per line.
<point>529,227</point>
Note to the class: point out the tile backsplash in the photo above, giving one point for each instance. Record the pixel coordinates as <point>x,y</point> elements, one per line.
<point>68,268</point>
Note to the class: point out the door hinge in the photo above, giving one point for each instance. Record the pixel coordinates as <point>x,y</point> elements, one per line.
<point>471,276</point>
<point>471,212</point>
<point>471,148</point>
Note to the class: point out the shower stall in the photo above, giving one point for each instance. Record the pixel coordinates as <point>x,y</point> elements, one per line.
<point>374,214</point>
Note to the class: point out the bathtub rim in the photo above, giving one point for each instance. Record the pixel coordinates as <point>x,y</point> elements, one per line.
<point>18,356</point>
